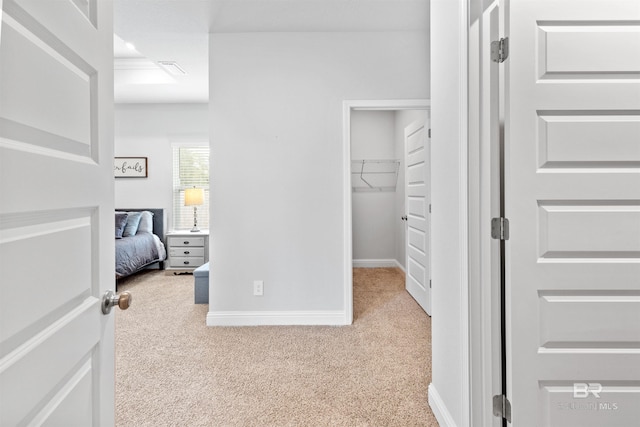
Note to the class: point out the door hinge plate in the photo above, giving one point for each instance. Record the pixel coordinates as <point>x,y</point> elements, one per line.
<point>500,50</point>
<point>429,133</point>
<point>500,228</point>
<point>502,407</point>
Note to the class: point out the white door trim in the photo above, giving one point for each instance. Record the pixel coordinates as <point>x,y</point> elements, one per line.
<point>463,214</point>
<point>484,280</point>
<point>476,307</point>
<point>347,107</point>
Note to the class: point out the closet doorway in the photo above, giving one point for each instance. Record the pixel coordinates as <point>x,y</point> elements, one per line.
<point>387,192</point>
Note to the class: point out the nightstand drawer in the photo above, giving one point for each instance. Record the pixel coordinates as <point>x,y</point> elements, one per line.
<point>185,251</point>
<point>186,241</point>
<point>186,262</point>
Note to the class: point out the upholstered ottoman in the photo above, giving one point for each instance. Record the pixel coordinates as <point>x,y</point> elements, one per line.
<point>201,278</point>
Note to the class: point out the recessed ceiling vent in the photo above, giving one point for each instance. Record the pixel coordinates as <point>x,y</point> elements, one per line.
<point>172,67</point>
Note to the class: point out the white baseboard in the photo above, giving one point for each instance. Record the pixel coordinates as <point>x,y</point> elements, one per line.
<point>377,263</point>
<point>439,409</point>
<point>270,318</point>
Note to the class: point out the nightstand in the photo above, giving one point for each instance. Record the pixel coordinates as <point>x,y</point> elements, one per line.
<point>186,251</point>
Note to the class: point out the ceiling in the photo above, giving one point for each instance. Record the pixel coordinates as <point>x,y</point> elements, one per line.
<point>178,30</point>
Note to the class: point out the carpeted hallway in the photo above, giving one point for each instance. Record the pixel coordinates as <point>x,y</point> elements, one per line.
<point>172,370</point>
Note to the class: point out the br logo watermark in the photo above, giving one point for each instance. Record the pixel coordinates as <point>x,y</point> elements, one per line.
<point>586,391</point>
<point>583,390</point>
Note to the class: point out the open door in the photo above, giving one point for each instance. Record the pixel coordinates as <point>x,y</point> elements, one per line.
<point>418,199</point>
<point>573,205</point>
<point>56,213</point>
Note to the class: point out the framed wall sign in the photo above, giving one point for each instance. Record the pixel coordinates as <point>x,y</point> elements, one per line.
<point>130,167</point>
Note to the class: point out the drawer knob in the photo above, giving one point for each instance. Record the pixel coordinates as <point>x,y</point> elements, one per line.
<point>187,252</point>
<point>186,262</point>
<point>186,242</point>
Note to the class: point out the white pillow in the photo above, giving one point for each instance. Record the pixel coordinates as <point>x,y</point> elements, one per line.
<point>133,221</point>
<point>146,222</point>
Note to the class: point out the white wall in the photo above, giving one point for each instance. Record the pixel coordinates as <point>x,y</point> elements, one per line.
<point>373,213</point>
<point>277,199</point>
<point>147,130</point>
<point>449,390</point>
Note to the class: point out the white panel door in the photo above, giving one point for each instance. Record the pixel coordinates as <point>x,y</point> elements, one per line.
<point>56,213</point>
<point>573,201</point>
<point>417,172</point>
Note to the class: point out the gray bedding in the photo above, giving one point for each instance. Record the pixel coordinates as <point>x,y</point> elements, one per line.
<point>136,252</point>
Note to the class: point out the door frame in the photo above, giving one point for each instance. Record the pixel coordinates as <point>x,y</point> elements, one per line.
<point>347,107</point>
<point>483,263</point>
<point>473,394</point>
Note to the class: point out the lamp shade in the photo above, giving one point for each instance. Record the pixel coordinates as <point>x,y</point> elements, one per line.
<point>193,196</point>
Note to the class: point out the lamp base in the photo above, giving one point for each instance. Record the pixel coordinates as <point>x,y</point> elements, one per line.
<point>195,228</point>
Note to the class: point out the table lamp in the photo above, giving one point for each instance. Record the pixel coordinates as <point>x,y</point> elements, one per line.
<point>194,197</point>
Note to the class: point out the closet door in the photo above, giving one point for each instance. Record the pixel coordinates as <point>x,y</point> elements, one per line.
<point>417,172</point>
<point>573,203</point>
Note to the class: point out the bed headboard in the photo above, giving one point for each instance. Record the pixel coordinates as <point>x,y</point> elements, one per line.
<point>158,219</point>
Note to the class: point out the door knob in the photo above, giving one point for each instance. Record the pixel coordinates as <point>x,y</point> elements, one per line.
<point>110,299</point>
<point>404,218</point>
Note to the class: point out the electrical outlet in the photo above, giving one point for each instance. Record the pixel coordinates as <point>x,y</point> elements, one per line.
<point>258,287</point>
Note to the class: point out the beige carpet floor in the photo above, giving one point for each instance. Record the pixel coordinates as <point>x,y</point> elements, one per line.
<point>172,370</point>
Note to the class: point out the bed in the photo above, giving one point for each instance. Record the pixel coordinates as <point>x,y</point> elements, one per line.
<point>139,240</point>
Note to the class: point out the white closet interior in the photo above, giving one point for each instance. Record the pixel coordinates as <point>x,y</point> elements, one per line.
<point>378,185</point>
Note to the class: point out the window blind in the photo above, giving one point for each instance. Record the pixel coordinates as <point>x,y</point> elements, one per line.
<point>190,169</point>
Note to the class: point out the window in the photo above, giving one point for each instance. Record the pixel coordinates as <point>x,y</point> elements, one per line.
<point>190,169</point>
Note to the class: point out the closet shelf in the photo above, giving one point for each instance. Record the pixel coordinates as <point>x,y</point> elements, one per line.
<point>374,175</point>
